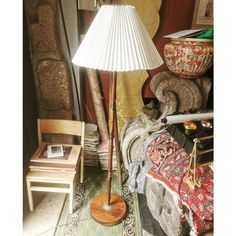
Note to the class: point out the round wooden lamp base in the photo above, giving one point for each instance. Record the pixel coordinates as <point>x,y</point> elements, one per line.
<point>108,214</point>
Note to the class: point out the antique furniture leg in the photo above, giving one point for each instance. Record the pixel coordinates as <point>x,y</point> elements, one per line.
<point>30,195</point>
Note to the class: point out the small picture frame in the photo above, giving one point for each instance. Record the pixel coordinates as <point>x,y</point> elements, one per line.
<point>92,5</point>
<point>88,5</point>
<point>55,151</point>
<point>203,14</point>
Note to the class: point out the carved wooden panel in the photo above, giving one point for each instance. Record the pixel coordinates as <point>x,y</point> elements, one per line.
<point>54,87</point>
<point>43,33</point>
<point>51,75</point>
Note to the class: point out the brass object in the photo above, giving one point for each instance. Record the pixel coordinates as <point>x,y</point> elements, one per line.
<point>206,124</point>
<point>191,177</point>
<point>190,127</point>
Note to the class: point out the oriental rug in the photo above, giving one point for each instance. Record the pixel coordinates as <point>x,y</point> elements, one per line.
<point>170,163</point>
<point>80,223</point>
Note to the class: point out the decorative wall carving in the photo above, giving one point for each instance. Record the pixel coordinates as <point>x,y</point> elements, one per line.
<point>54,88</point>
<point>51,72</point>
<point>43,33</point>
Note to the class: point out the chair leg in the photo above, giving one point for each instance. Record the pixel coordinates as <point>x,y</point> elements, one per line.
<point>71,198</point>
<point>30,195</point>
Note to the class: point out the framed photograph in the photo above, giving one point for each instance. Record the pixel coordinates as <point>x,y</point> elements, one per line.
<point>203,14</point>
<point>55,151</point>
<point>68,160</point>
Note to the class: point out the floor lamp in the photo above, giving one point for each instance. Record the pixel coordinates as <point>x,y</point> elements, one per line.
<point>116,41</point>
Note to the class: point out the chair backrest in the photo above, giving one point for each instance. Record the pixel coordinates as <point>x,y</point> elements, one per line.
<point>54,126</point>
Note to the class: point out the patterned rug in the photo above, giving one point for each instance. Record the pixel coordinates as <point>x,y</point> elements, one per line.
<point>80,222</point>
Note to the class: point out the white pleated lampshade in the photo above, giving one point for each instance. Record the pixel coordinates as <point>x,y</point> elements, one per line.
<point>117,40</point>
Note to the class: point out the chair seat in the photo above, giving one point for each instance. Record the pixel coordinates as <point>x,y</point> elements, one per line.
<point>50,177</point>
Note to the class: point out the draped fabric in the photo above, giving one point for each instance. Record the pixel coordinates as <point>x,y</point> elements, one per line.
<point>170,164</point>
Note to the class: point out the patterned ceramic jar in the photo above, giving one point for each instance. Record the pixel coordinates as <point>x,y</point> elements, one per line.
<point>189,58</point>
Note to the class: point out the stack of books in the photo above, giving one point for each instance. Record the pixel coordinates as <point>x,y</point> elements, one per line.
<point>62,157</point>
<point>103,156</point>
<point>91,141</point>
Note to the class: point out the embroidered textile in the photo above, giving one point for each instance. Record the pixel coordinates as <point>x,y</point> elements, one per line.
<point>170,163</point>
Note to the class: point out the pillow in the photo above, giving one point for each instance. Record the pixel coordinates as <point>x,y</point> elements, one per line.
<point>161,147</point>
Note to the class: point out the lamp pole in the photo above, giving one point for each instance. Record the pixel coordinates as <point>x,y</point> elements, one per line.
<point>109,208</point>
<point>113,135</point>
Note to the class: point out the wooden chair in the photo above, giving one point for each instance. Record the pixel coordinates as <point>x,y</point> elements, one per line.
<point>40,178</point>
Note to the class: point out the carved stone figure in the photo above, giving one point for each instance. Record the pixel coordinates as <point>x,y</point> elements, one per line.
<point>176,95</point>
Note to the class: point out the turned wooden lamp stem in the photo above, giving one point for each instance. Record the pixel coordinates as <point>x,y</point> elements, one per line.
<point>112,127</point>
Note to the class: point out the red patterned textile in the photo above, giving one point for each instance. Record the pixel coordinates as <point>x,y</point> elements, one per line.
<point>170,163</point>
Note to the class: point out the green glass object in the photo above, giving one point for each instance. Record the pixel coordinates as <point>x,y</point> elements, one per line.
<point>208,34</point>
